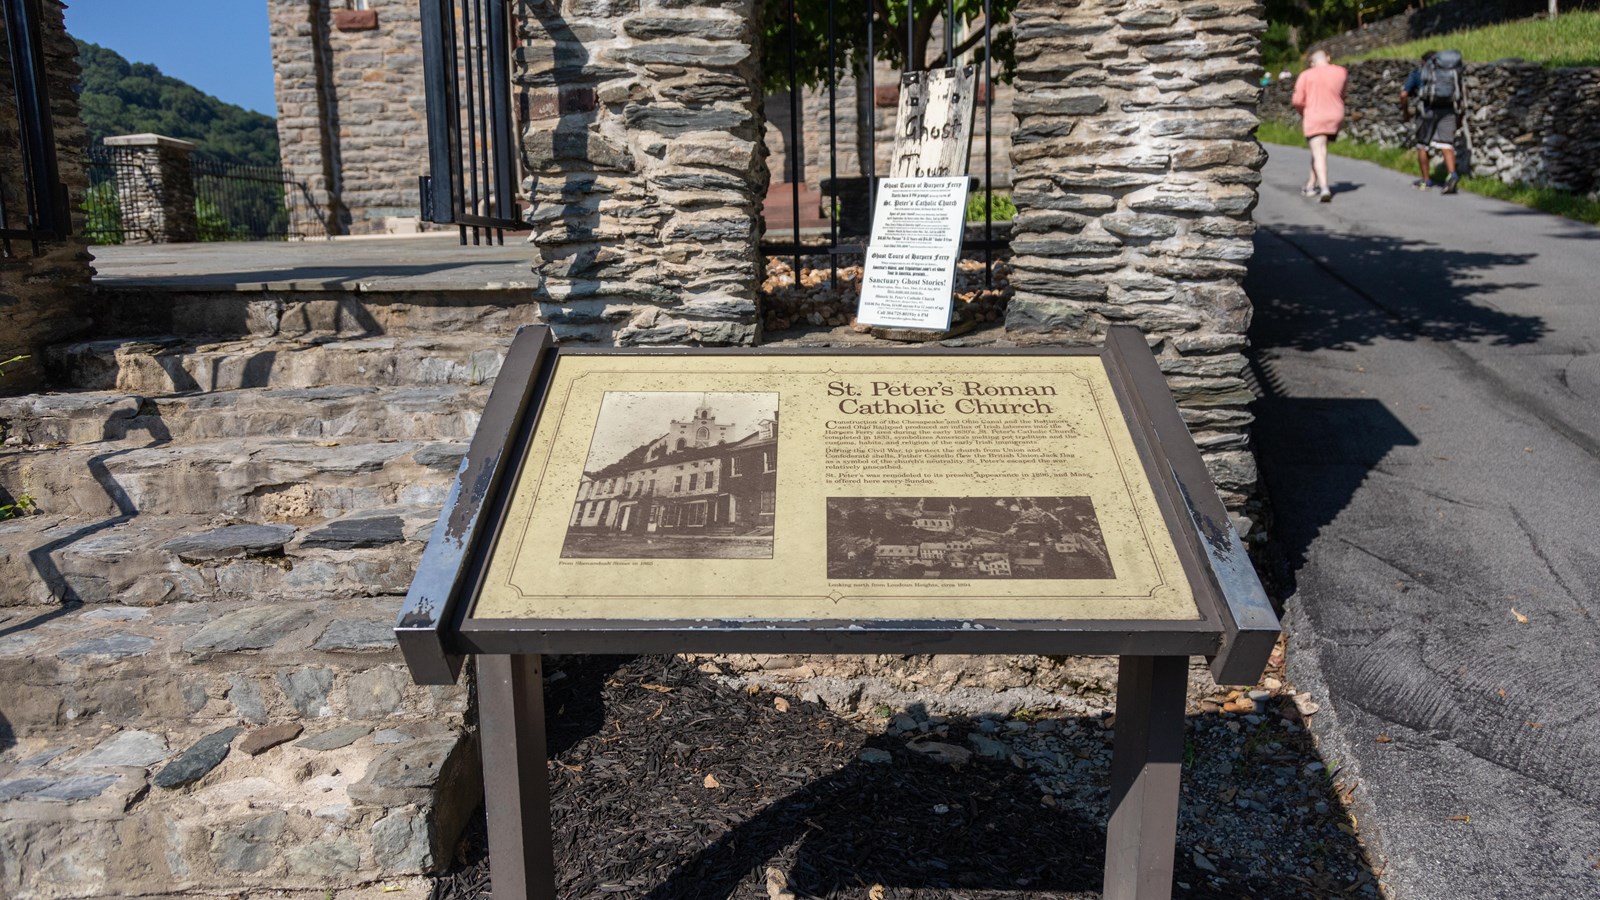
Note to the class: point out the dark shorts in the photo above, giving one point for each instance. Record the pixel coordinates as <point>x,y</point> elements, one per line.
<point>1437,129</point>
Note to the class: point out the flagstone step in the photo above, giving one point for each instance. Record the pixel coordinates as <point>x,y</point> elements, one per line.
<point>170,365</point>
<point>261,479</point>
<point>91,810</point>
<point>291,309</point>
<point>430,412</point>
<point>210,663</point>
<point>150,559</point>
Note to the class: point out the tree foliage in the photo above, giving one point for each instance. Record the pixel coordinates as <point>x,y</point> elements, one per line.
<point>806,30</point>
<point>119,97</point>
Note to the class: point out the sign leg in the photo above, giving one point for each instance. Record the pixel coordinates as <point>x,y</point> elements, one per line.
<point>515,777</point>
<point>1146,768</point>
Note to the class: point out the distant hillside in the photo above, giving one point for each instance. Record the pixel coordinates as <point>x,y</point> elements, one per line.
<point>119,97</point>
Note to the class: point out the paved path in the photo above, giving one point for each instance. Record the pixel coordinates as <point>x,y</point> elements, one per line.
<point>1431,440</point>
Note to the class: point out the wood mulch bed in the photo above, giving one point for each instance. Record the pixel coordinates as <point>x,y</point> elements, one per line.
<point>668,784</point>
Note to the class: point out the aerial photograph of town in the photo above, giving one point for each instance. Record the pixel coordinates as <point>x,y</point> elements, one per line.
<point>965,537</point>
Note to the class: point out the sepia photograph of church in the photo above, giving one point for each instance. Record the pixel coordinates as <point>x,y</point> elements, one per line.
<point>965,537</point>
<point>678,475</point>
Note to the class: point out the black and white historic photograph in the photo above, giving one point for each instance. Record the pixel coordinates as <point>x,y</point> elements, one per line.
<point>965,537</point>
<point>678,475</point>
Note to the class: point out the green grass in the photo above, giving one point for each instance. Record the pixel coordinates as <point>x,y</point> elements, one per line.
<point>1002,210</point>
<point>1404,159</point>
<point>1570,39</point>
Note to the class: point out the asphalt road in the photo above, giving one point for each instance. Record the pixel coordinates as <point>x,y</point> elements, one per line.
<point>1430,438</point>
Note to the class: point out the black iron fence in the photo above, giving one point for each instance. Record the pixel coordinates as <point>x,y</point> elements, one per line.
<point>136,196</point>
<point>815,45</point>
<point>472,146</point>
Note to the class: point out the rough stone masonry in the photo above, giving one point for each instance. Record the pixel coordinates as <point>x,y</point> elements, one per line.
<point>646,168</point>
<point>1135,171</point>
<point>43,293</point>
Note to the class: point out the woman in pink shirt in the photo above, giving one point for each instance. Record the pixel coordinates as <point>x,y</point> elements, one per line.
<point>1319,96</point>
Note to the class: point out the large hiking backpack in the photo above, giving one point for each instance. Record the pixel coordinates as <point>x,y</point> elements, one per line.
<point>1441,79</point>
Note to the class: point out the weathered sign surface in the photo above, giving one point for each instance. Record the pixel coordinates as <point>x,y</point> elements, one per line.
<point>825,487</point>
<point>934,125</point>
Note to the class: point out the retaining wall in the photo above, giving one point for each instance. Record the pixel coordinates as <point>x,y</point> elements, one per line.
<point>1524,122</point>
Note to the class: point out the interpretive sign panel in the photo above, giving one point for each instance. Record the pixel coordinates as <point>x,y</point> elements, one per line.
<point>1021,501</point>
<point>911,259</point>
<point>866,487</point>
<point>1031,501</point>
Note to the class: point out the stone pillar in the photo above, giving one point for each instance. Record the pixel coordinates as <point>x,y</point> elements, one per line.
<point>155,188</point>
<point>44,287</point>
<point>1135,167</point>
<point>645,168</point>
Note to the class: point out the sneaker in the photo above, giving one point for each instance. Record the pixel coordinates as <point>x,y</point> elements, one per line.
<point>1327,196</point>
<point>1451,182</point>
<point>1308,192</point>
<point>1424,184</point>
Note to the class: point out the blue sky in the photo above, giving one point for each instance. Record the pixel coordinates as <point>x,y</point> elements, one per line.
<point>219,46</point>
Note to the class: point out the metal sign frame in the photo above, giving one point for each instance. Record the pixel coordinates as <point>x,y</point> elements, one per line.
<point>1236,630</point>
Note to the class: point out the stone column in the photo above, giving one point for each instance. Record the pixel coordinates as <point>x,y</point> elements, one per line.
<point>1135,167</point>
<point>155,188</point>
<point>645,168</point>
<point>44,288</point>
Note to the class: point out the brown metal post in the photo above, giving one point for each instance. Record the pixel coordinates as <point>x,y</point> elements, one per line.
<point>515,777</point>
<point>1146,769</point>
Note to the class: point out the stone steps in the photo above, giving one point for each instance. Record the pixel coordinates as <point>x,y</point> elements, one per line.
<point>263,479</point>
<point>217,746</point>
<point>150,559</point>
<point>223,537</point>
<point>171,365</point>
<point>435,412</point>
<point>221,662</point>
<point>292,818</point>
<point>109,789</point>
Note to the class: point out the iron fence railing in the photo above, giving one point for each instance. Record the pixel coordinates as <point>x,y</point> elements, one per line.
<point>913,35</point>
<point>253,203</point>
<point>472,146</point>
<point>232,202</point>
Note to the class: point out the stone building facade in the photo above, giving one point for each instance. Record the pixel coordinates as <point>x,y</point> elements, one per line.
<point>43,291</point>
<point>352,119</point>
<point>1135,168</point>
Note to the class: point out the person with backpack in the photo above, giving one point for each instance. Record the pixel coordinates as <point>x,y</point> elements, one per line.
<point>1438,89</point>
<point>1319,96</point>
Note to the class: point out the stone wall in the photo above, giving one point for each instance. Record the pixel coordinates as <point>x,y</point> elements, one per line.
<point>1135,175</point>
<point>42,294</point>
<point>646,168</point>
<point>1524,122</point>
<point>352,119</point>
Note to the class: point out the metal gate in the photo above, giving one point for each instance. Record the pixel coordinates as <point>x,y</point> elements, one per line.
<point>901,32</point>
<point>472,152</point>
<point>33,201</point>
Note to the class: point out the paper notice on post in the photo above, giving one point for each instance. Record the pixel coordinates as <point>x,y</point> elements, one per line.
<point>911,261</point>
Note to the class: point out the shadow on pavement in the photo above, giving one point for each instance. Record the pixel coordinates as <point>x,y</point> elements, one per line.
<point>1315,452</point>
<point>1412,290</point>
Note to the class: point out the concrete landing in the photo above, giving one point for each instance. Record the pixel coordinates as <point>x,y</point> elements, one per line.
<point>429,262</point>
